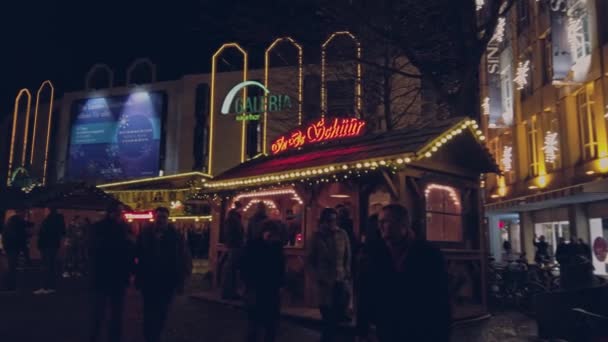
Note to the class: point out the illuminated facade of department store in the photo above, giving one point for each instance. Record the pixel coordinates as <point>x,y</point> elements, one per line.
<point>544,91</point>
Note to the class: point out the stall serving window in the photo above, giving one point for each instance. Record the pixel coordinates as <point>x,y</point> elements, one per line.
<point>443,213</point>
<point>282,205</point>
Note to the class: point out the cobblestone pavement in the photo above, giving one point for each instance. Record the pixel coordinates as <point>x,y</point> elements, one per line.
<point>62,317</point>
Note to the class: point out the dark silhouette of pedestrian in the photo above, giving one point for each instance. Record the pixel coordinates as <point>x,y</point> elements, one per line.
<point>52,232</point>
<point>363,282</point>
<point>111,259</point>
<point>234,239</point>
<point>14,240</point>
<point>562,252</point>
<point>542,250</point>
<point>330,262</point>
<point>255,222</point>
<point>263,269</point>
<point>410,283</point>
<point>163,264</point>
<point>584,250</point>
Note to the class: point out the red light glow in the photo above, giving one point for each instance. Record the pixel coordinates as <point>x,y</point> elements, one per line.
<point>317,132</point>
<point>139,216</point>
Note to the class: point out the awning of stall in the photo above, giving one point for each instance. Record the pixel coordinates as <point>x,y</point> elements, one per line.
<point>336,159</point>
<point>70,196</point>
<point>173,182</point>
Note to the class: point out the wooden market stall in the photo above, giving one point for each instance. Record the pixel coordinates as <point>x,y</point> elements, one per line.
<point>75,201</point>
<point>433,170</point>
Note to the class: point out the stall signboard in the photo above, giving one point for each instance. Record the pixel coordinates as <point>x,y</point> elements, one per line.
<point>251,107</point>
<point>317,132</point>
<point>139,216</point>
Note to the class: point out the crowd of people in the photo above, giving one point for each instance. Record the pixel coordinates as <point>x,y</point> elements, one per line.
<point>157,261</point>
<point>400,280</point>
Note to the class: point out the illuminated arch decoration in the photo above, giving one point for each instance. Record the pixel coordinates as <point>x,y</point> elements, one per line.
<point>11,158</point>
<point>232,93</point>
<point>212,103</point>
<point>138,63</point>
<point>44,85</point>
<point>451,192</point>
<point>99,68</point>
<point>269,204</point>
<point>358,88</point>
<point>266,81</point>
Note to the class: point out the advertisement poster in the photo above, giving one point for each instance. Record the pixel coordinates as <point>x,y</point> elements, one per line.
<point>115,138</point>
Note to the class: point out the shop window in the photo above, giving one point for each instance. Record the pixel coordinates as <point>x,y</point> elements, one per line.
<point>532,142</point>
<point>443,213</point>
<point>552,231</point>
<point>598,241</point>
<point>586,115</point>
<point>341,98</point>
<point>506,91</point>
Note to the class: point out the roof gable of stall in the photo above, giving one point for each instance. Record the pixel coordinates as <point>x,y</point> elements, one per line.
<point>388,149</point>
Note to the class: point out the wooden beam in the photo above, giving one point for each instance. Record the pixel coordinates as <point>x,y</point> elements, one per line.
<point>391,185</point>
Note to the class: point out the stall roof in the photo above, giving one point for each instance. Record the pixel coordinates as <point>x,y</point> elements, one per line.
<point>403,146</point>
<point>176,181</point>
<point>62,196</point>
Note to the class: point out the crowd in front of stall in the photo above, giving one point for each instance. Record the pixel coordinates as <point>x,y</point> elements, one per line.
<point>400,281</point>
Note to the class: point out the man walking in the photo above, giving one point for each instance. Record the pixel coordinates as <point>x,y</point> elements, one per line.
<point>330,262</point>
<point>163,263</point>
<point>111,255</point>
<point>51,233</point>
<point>14,239</point>
<point>410,293</point>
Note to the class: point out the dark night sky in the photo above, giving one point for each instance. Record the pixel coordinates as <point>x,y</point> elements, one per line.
<point>61,40</point>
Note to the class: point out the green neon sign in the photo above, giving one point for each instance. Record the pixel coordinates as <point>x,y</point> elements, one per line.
<point>251,107</point>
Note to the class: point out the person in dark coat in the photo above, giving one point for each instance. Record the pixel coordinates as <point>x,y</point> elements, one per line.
<point>255,222</point>
<point>111,258</point>
<point>410,291</point>
<point>163,264</point>
<point>584,250</point>
<point>562,252</point>
<point>542,250</point>
<point>14,240</point>
<point>52,232</point>
<point>263,269</point>
<point>234,235</point>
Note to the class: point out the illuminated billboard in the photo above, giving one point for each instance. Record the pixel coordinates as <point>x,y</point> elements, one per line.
<point>115,138</point>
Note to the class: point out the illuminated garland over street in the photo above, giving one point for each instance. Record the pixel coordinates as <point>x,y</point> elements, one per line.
<point>340,172</point>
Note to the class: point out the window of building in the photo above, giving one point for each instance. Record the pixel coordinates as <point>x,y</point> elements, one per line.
<point>586,115</point>
<point>341,98</point>
<point>551,141</point>
<point>547,58</point>
<point>532,135</point>
<point>443,213</point>
<point>506,90</point>
<point>523,15</point>
<point>579,36</point>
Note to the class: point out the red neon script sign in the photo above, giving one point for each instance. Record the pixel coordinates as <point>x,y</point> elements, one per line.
<point>319,131</point>
<point>139,215</point>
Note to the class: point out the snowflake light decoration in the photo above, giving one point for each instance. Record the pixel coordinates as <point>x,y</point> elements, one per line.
<point>479,4</point>
<point>575,36</point>
<point>485,106</point>
<point>507,158</point>
<point>499,32</point>
<point>521,77</point>
<point>551,147</point>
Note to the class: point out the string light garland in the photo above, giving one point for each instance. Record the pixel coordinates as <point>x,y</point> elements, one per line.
<point>451,192</point>
<point>507,158</point>
<point>521,77</point>
<point>499,32</point>
<point>551,147</point>
<point>268,203</point>
<point>144,180</point>
<point>337,172</point>
<point>485,106</point>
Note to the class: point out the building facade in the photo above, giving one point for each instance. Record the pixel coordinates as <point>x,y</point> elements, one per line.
<point>544,91</point>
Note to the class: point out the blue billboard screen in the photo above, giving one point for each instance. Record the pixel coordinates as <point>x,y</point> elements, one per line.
<point>115,138</point>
